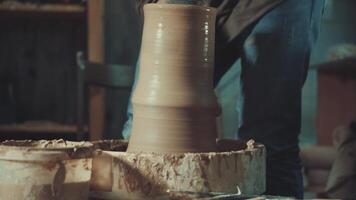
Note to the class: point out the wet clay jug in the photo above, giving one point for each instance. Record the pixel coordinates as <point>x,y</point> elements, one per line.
<point>174,104</point>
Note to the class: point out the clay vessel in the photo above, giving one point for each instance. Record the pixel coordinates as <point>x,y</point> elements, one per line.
<point>174,104</point>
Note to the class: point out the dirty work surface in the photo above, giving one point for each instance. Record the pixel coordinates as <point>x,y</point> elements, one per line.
<point>211,196</point>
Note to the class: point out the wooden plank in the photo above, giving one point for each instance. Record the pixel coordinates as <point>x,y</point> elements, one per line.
<point>96,54</point>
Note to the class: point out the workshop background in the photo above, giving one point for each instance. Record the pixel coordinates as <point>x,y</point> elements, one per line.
<point>39,82</point>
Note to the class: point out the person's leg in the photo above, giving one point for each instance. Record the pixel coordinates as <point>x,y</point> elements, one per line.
<point>274,65</point>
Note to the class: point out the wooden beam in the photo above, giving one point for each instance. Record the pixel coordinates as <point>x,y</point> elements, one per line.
<point>96,53</point>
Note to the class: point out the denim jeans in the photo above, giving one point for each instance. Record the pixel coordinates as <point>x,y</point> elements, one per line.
<point>274,53</point>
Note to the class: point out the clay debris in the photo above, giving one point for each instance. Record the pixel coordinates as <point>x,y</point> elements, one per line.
<point>45,144</point>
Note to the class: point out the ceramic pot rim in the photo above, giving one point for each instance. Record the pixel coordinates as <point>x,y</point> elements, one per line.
<point>180,7</point>
<point>257,148</point>
<point>26,150</point>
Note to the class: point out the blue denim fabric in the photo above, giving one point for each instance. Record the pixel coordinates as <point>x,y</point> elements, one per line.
<point>274,60</point>
<point>274,55</point>
<point>126,131</point>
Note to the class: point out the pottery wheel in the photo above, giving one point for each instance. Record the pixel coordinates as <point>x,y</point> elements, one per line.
<point>175,111</point>
<point>236,168</point>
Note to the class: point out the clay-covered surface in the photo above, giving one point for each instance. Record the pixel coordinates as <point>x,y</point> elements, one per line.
<point>111,145</point>
<point>216,196</point>
<point>44,144</point>
<point>123,175</point>
<point>45,170</point>
<point>208,196</point>
<point>44,149</point>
